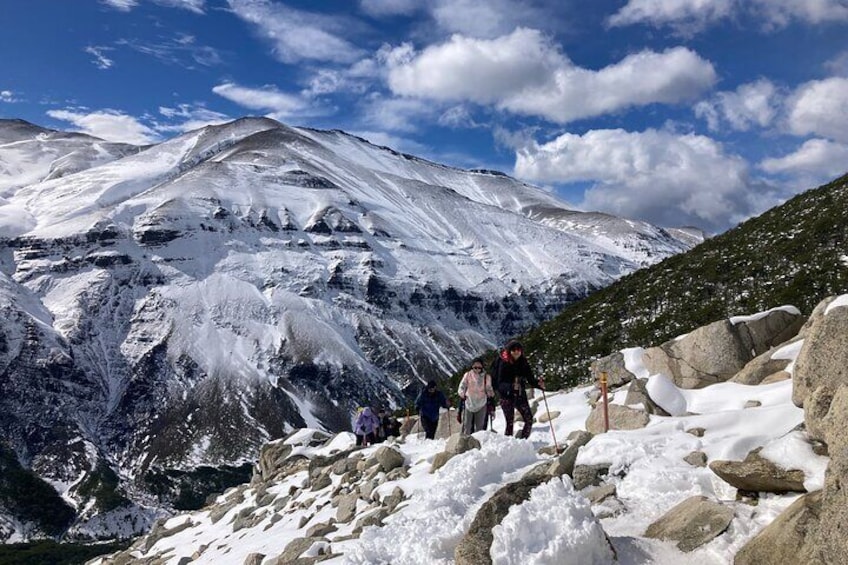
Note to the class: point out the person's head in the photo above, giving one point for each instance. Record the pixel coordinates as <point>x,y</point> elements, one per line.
<point>431,386</point>
<point>477,365</point>
<point>515,349</point>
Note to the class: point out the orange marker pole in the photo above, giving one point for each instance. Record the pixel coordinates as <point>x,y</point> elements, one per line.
<point>606,400</point>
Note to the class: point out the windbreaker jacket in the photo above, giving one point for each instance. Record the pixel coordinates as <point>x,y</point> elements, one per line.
<point>506,372</point>
<point>476,388</point>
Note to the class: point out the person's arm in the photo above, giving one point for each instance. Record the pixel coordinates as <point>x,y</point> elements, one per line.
<point>463,386</point>
<point>490,392</point>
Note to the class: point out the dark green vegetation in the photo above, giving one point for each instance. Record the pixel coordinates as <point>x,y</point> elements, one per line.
<point>188,490</point>
<point>102,484</point>
<point>791,254</point>
<point>30,499</point>
<point>52,553</point>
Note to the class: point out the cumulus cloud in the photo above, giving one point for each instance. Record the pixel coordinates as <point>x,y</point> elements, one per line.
<point>820,108</point>
<point>101,61</point>
<point>689,16</point>
<point>7,96</point>
<point>753,104</point>
<point>298,35</point>
<point>526,73</point>
<point>279,105</point>
<point>662,177</point>
<point>820,158</point>
<point>110,125</point>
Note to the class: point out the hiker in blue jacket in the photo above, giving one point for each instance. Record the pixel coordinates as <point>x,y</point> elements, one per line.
<point>429,401</point>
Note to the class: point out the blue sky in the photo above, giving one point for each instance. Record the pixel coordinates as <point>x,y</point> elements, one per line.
<point>679,112</point>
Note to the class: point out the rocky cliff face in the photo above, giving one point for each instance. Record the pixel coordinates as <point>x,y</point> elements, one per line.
<point>179,305</point>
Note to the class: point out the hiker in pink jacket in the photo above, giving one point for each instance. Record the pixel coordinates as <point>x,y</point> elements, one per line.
<point>475,389</point>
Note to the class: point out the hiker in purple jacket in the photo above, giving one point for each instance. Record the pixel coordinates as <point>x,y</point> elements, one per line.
<point>365,426</point>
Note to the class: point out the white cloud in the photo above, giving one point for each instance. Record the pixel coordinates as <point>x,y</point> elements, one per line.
<point>752,104</point>
<point>108,124</point>
<point>267,99</point>
<point>490,18</point>
<point>7,96</point>
<point>820,108</point>
<point>838,65</point>
<point>101,61</point>
<point>665,178</point>
<point>820,158</point>
<point>123,5</point>
<point>297,35</point>
<point>687,16</point>
<point>779,13</point>
<point>396,114</point>
<point>525,73</point>
<point>195,6</point>
<point>380,8</point>
<point>188,117</point>
<point>182,50</point>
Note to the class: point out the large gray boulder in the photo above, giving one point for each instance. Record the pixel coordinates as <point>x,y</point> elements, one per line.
<point>620,418</point>
<point>637,394</point>
<point>564,464</point>
<point>475,546</point>
<point>757,474</point>
<point>762,366</point>
<point>387,458</point>
<point>692,523</point>
<point>821,367</point>
<point>820,386</point>
<point>613,366</point>
<point>717,352</point>
<point>781,540</point>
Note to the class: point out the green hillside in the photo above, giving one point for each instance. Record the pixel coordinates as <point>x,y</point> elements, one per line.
<point>796,253</point>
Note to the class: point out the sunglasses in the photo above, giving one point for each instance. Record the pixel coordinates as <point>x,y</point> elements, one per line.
<point>477,368</point>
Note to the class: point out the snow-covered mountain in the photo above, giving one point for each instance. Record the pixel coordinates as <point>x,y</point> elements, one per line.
<point>183,303</point>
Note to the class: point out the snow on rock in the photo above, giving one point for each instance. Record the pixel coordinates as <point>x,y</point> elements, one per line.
<point>556,527</point>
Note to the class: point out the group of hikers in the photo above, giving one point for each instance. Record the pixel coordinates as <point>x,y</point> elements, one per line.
<point>510,377</point>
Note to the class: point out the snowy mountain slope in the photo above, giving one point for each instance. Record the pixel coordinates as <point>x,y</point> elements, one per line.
<point>420,515</point>
<point>214,291</point>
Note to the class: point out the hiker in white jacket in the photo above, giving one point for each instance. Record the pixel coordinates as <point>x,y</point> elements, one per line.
<point>475,389</point>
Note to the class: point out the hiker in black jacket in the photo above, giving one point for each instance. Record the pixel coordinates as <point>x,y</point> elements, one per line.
<point>513,375</point>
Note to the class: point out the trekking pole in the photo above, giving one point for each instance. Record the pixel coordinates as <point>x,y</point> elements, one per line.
<point>551,422</point>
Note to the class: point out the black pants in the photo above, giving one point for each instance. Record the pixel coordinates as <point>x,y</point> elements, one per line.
<point>429,427</point>
<point>510,405</point>
<point>368,439</point>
